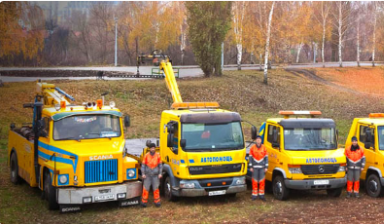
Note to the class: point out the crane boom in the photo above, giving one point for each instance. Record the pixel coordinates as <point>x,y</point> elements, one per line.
<point>170,80</point>
<point>52,95</point>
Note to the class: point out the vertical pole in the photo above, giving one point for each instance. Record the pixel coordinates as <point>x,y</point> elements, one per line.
<point>115,41</point>
<point>222,55</point>
<point>137,56</point>
<point>314,52</point>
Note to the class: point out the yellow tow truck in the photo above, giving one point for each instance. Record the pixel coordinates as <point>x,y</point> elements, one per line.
<point>75,154</point>
<point>202,147</point>
<point>303,154</point>
<point>370,134</point>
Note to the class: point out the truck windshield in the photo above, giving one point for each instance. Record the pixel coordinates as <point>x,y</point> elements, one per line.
<point>310,139</point>
<point>87,127</point>
<point>380,131</point>
<point>212,137</point>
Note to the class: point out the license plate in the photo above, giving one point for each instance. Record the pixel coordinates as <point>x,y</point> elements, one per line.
<point>104,197</point>
<point>321,182</point>
<point>214,193</point>
<point>135,201</point>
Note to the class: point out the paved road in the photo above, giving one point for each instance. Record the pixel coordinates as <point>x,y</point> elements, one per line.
<point>185,71</point>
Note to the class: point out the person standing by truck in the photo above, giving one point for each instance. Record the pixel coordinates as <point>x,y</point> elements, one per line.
<point>258,161</point>
<point>355,164</point>
<point>151,170</point>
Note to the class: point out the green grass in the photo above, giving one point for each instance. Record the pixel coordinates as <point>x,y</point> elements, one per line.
<point>144,100</point>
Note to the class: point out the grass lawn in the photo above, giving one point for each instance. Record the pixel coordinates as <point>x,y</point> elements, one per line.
<point>241,91</point>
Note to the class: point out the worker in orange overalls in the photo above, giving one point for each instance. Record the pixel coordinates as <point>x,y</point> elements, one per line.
<point>151,170</point>
<point>355,164</point>
<point>258,161</point>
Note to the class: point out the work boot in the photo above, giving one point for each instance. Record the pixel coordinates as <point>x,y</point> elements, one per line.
<point>262,198</point>
<point>357,195</point>
<point>348,194</point>
<point>144,205</point>
<point>254,197</point>
<point>158,204</point>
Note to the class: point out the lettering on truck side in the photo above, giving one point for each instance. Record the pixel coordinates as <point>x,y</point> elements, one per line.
<point>101,157</point>
<point>321,160</point>
<point>216,159</point>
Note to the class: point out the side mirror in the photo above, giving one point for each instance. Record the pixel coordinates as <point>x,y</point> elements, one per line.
<point>368,135</point>
<point>367,145</point>
<point>40,124</point>
<point>253,132</point>
<point>337,132</point>
<point>147,143</point>
<point>170,140</point>
<point>127,121</point>
<point>183,143</point>
<point>170,127</point>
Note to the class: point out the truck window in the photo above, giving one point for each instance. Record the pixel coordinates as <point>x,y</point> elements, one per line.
<point>176,135</point>
<point>380,131</point>
<point>309,139</point>
<point>363,135</point>
<point>271,130</point>
<point>46,129</point>
<point>209,137</point>
<point>87,127</point>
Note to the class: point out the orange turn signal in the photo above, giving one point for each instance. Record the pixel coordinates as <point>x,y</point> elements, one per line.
<point>375,115</point>
<point>62,104</point>
<point>293,166</point>
<point>195,105</point>
<point>99,103</point>
<point>208,184</point>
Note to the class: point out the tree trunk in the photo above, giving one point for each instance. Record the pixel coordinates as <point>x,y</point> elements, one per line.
<point>374,36</point>
<point>323,44</point>
<point>340,34</point>
<point>298,52</point>
<point>267,45</point>
<point>239,48</point>
<point>358,42</point>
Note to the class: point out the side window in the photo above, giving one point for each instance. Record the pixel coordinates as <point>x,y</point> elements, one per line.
<point>46,129</point>
<point>176,135</point>
<point>271,130</point>
<point>363,134</point>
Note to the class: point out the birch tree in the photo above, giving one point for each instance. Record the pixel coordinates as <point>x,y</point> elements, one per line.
<point>267,44</point>
<point>322,17</point>
<point>238,14</point>
<point>374,11</point>
<point>341,23</point>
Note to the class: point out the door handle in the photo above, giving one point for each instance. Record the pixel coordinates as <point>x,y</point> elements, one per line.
<point>376,163</point>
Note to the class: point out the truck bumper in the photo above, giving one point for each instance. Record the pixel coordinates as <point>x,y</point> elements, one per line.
<point>97,194</point>
<point>310,184</point>
<point>200,190</point>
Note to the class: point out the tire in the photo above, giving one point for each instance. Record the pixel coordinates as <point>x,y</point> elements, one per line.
<point>280,191</point>
<point>50,192</point>
<point>336,192</point>
<point>168,191</point>
<point>373,186</point>
<point>15,178</point>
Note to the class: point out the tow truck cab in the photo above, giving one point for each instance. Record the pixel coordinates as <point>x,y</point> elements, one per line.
<point>303,154</point>
<point>369,132</point>
<point>74,154</point>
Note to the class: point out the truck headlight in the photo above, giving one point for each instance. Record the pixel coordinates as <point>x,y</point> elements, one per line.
<point>63,178</point>
<point>131,173</point>
<point>294,169</point>
<point>240,181</point>
<point>187,185</point>
<point>341,168</point>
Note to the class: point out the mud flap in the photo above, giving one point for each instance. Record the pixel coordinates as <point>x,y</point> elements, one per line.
<point>69,208</point>
<point>130,202</point>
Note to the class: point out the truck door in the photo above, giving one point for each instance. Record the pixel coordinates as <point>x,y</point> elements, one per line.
<point>271,140</point>
<point>370,153</point>
<point>172,157</point>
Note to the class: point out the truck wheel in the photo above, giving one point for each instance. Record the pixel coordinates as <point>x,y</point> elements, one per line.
<point>336,192</point>
<point>50,192</point>
<point>279,190</point>
<point>373,186</point>
<point>15,178</point>
<point>168,191</point>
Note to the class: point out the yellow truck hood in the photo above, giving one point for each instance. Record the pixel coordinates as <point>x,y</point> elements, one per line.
<point>92,147</point>
<point>316,157</point>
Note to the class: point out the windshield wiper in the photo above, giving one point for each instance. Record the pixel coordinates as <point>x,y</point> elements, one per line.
<point>71,138</point>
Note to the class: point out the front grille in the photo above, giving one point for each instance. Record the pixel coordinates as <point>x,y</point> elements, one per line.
<point>100,171</point>
<point>320,169</point>
<point>229,168</point>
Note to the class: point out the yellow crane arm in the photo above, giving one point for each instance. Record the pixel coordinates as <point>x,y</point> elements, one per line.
<point>52,95</point>
<point>170,80</point>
